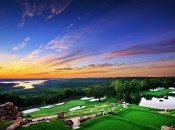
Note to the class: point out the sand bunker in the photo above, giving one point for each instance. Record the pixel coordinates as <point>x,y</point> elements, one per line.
<point>30,110</point>
<point>58,104</point>
<point>87,98</point>
<point>50,106</point>
<point>76,108</point>
<point>157,89</point>
<point>96,99</point>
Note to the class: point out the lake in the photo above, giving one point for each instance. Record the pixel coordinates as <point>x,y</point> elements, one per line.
<point>26,83</point>
<point>160,103</point>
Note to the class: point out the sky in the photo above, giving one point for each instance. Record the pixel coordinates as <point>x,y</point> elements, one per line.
<point>86,38</point>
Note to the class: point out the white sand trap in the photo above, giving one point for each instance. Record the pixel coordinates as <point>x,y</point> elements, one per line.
<point>30,110</point>
<point>171,88</point>
<point>76,127</point>
<point>76,108</point>
<point>86,98</point>
<point>96,99</point>
<point>50,106</point>
<point>172,92</point>
<point>157,89</point>
<point>58,104</point>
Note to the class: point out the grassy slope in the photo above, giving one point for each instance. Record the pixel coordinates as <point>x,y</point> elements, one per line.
<point>114,123</point>
<point>136,117</point>
<point>5,124</point>
<point>133,106</point>
<point>158,93</point>
<point>69,104</point>
<point>136,107</point>
<point>53,125</point>
<point>57,109</point>
<point>171,113</point>
<point>147,118</point>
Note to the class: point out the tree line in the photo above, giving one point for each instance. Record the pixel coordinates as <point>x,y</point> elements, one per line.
<point>118,89</point>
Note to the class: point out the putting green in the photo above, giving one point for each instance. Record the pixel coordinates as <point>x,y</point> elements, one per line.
<point>113,125</point>
<point>108,122</point>
<point>148,118</point>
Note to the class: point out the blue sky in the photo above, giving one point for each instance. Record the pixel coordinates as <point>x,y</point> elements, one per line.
<point>87,38</point>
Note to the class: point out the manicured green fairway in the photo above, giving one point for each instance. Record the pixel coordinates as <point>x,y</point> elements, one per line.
<point>90,108</point>
<point>147,118</point>
<point>158,93</point>
<point>136,107</point>
<point>171,113</point>
<point>113,125</point>
<point>134,118</point>
<point>57,109</point>
<point>54,125</point>
<point>110,122</point>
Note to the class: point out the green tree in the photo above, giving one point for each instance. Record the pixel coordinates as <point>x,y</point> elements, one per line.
<point>134,85</point>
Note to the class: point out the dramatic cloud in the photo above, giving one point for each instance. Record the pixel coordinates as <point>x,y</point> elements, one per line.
<point>64,69</point>
<point>73,61</point>
<point>22,45</point>
<point>167,46</point>
<point>43,7</point>
<point>67,55</point>
<point>32,55</point>
<point>43,73</point>
<point>63,42</point>
<point>6,56</point>
<point>121,69</point>
<point>86,67</point>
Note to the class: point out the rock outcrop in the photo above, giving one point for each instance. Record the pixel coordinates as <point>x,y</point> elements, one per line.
<point>9,112</point>
<point>168,128</point>
<point>60,115</point>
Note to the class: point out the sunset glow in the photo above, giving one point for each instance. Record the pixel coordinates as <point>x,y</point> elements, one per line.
<point>91,38</point>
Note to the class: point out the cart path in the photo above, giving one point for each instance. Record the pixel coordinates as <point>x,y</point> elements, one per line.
<point>76,119</point>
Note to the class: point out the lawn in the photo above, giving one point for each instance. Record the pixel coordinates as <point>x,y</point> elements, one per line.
<point>171,113</point>
<point>158,93</point>
<point>57,109</point>
<point>136,107</point>
<point>114,123</point>
<point>133,118</point>
<point>90,108</point>
<point>53,125</point>
<point>148,118</point>
<point>5,124</point>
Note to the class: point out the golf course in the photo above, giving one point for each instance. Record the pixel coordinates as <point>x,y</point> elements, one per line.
<point>132,117</point>
<point>119,105</point>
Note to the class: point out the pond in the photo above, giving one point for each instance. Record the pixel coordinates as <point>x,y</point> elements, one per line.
<point>160,103</point>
